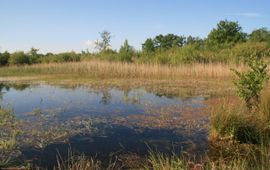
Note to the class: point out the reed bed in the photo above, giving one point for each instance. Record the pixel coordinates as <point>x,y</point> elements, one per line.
<point>105,69</point>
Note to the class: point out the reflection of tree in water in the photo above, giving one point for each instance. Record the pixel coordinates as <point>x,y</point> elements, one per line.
<point>106,97</point>
<point>133,98</point>
<point>126,97</point>
<point>19,87</point>
<point>6,87</point>
<point>2,88</point>
<point>169,96</point>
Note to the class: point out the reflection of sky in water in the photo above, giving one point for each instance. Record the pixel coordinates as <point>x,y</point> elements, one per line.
<point>84,100</point>
<point>70,102</point>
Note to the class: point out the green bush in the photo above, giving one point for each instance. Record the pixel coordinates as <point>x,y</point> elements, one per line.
<point>126,52</point>
<point>18,58</point>
<point>249,84</point>
<point>4,57</point>
<point>108,54</point>
<point>231,122</point>
<point>61,58</point>
<point>67,57</point>
<point>242,51</point>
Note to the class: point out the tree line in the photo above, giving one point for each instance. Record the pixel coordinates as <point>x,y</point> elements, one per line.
<point>225,43</point>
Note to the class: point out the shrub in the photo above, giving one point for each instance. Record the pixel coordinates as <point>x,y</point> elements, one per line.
<point>34,57</point>
<point>4,57</point>
<point>61,57</point>
<point>126,52</point>
<point>67,57</point>
<point>19,58</point>
<point>249,84</point>
<point>242,51</point>
<point>108,54</point>
<point>232,122</point>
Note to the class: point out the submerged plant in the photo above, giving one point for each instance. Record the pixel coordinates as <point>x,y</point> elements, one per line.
<point>8,137</point>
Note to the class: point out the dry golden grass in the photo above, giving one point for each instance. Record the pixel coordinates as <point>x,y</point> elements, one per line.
<point>104,69</point>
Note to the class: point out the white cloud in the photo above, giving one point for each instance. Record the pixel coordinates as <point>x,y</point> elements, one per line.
<point>90,43</point>
<point>247,14</point>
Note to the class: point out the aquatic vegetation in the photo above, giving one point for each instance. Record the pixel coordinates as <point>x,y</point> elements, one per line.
<point>37,132</point>
<point>77,162</point>
<point>8,137</point>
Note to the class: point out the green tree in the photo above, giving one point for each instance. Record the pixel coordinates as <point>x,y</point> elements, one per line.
<point>148,46</point>
<point>33,55</point>
<point>196,42</point>
<point>250,84</point>
<point>4,57</point>
<point>193,40</point>
<point>67,57</point>
<point>168,41</point>
<point>126,52</point>
<point>19,58</point>
<point>227,33</point>
<point>260,35</point>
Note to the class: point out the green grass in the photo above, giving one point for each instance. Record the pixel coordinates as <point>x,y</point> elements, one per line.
<point>257,158</point>
<point>239,123</point>
<point>76,163</point>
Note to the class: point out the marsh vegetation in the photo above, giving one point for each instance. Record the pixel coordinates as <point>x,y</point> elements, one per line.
<point>180,103</point>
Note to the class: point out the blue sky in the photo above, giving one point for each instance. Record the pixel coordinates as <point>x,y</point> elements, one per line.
<point>65,25</point>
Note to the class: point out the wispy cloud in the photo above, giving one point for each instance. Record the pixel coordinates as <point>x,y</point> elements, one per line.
<point>90,43</point>
<point>247,14</point>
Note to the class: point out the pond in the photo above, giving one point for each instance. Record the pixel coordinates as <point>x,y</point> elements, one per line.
<point>103,122</point>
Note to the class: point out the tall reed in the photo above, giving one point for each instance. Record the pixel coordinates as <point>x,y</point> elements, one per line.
<point>105,69</point>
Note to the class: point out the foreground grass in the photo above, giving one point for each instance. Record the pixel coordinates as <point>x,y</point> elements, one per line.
<point>257,159</point>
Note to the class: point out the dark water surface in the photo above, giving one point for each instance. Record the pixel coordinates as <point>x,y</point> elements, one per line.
<point>113,121</point>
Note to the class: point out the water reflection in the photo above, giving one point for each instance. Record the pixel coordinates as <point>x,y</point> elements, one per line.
<point>119,140</point>
<point>82,100</point>
<point>99,122</point>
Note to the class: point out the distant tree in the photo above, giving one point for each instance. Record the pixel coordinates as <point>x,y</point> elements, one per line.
<point>19,58</point>
<point>126,52</point>
<point>226,33</point>
<point>49,54</point>
<point>67,57</point>
<point>104,44</point>
<point>148,46</point>
<point>196,42</point>
<point>4,57</point>
<point>33,55</point>
<point>193,40</point>
<point>260,35</point>
<point>168,41</point>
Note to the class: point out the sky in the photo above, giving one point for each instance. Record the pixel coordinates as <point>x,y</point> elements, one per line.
<point>66,25</point>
